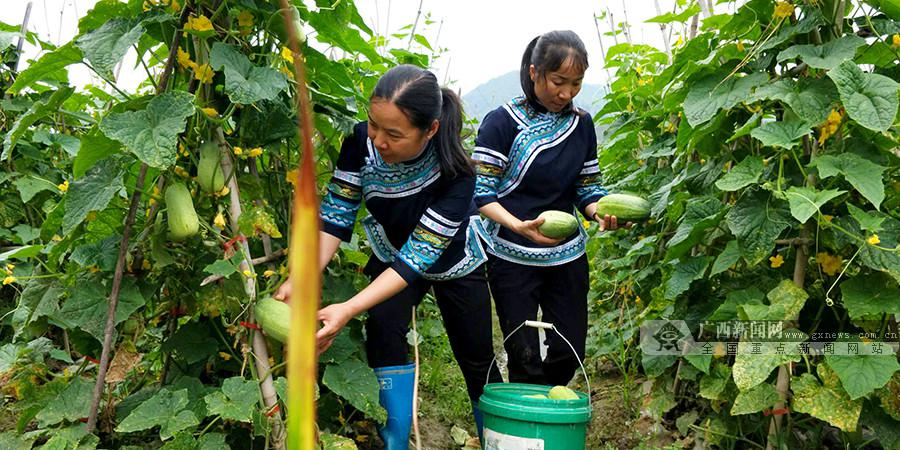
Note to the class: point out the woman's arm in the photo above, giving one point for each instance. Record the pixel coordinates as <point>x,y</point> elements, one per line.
<point>335,316</point>
<point>528,228</point>
<point>328,245</point>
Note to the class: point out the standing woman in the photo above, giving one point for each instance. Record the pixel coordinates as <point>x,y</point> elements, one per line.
<point>538,152</point>
<point>409,166</point>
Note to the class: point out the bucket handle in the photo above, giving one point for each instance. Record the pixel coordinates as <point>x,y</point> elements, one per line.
<point>544,326</point>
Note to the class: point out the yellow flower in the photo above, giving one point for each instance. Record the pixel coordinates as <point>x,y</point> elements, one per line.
<point>245,19</point>
<point>211,112</point>
<point>219,221</point>
<point>827,217</point>
<point>91,216</point>
<point>873,240</point>
<point>287,71</point>
<point>776,261</point>
<point>224,356</point>
<point>783,9</point>
<point>254,152</point>
<point>184,59</point>
<point>287,55</point>
<point>94,269</point>
<point>56,238</point>
<point>740,46</point>
<point>585,224</point>
<point>830,264</point>
<point>269,273</point>
<point>183,152</point>
<point>895,40</point>
<point>223,192</point>
<point>248,274</point>
<point>831,125</point>
<point>175,6</point>
<point>237,151</point>
<point>9,280</point>
<point>679,41</point>
<point>201,24</point>
<point>204,73</point>
<point>145,264</point>
<point>64,186</point>
<point>292,175</point>
<point>181,172</point>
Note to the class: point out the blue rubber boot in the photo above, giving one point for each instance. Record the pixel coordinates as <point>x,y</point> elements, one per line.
<point>396,396</point>
<point>479,421</point>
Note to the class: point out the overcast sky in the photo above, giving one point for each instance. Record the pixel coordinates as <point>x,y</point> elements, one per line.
<point>484,38</point>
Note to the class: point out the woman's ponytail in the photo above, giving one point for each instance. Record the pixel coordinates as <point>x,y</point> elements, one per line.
<point>525,69</point>
<point>454,159</point>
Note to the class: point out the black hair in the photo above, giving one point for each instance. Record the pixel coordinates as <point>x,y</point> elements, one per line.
<point>416,92</point>
<point>548,52</point>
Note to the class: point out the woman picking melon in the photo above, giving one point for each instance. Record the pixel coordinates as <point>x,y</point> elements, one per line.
<point>409,166</point>
<point>536,153</point>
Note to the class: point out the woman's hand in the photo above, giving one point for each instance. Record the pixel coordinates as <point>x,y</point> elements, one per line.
<point>333,317</point>
<point>529,229</point>
<point>609,222</point>
<point>283,292</point>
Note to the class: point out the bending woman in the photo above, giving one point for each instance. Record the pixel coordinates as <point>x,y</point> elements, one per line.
<point>409,166</point>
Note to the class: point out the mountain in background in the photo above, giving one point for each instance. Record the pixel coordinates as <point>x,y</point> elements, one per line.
<point>486,97</point>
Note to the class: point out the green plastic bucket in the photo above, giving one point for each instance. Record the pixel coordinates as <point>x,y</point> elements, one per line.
<point>513,421</point>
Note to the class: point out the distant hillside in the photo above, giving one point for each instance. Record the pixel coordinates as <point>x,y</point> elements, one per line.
<point>481,100</point>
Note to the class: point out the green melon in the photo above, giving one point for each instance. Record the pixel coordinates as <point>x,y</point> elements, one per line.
<point>557,224</point>
<point>624,207</point>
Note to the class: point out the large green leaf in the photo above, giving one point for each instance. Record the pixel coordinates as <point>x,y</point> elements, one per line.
<point>729,256</point>
<point>192,342</point>
<point>51,62</point>
<point>712,385</point>
<point>93,192</point>
<point>71,404</point>
<point>886,428</point>
<point>789,298</point>
<point>887,261</point>
<point>711,94</point>
<point>827,400</point>
<point>37,111</point>
<point>701,214</point>
<point>743,174</point>
<point>244,82</point>
<point>6,38</point>
<point>689,12</point>
<point>354,380</point>
<point>755,399</point>
<point>165,409</point>
<point>863,174</point>
<point>757,220</point>
<point>102,12</point>
<point>41,299</point>
<point>235,401</point>
<point>28,187</point>
<point>870,294</point>
<point>863,374</point>
<point>870,99</point>
<point>868,221</point>
<point>806,201</point>
<point>827,55</point>
<point>105,46</point>
<point>810,99</point>
<point>781,134</point>
<point>685,272</point>
<point>750,370</point>
<point>94,147</point>
<point>86,307</point>
<point>152,133</point>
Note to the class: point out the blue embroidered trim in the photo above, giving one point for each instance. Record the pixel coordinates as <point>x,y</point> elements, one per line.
<point>381,179</point>
<point>543,256</point>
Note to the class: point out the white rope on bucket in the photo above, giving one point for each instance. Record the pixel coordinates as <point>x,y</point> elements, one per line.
<point>546,326</point>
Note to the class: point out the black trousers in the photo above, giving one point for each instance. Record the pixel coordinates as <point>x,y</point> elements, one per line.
<point>465,305</point>
<point>561,293</point>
